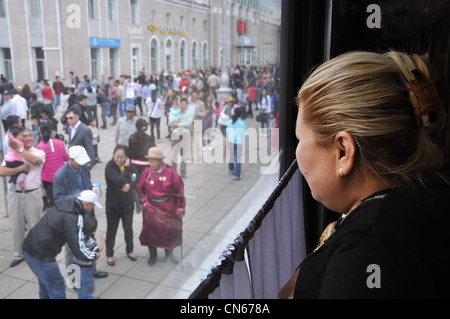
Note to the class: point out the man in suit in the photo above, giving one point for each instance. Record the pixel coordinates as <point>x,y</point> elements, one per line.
<point>69,181</point>
<point>80,134</point>
<point>80,107</point>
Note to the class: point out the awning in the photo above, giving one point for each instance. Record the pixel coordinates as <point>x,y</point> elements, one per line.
<point>244,42</point>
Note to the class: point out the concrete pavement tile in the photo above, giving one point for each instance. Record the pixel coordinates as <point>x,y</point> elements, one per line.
<point>200,259</point>
<point>188,279</point>
<point>128,288</point>
<point>9,285</point>
<point>163,292</point>
<point>21,271</point>
<point>5,238</point>
<point>191,238</point>
<point>153,274</point>
<point>30,290</point>
<point>198,225</point>
<point>211,214</point>
<point>103,284</point>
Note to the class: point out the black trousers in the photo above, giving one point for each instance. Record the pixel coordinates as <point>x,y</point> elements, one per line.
<point>48,186</point>
<point>115,213</point>
<point>155,121</point>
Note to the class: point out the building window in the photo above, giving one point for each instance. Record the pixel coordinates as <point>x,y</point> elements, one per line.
<point>91,9</point>
<point>94,63</point>
<point>111,10</point>
<point>205,55</point>
<point>169,55</point>
<point>182,21</point>
<point>134,61</point>
<point>245,55</point>
<point>194,55</point>
<point>134,11</point>
<point>152,16</point>
<point>34,8</point>
<point>112,62</point>
<point>154,55</point>
<point>7,63</point>
<point>183,55</point>
<point>40,63</point>
<point>168,19</point>
<point>194,23</point>
<point>2,9</point>
<point>205,25</point>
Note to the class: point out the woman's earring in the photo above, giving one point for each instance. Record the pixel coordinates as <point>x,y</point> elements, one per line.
<point>341,172</point>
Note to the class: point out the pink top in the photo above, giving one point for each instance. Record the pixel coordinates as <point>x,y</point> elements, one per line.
<point>55,157</point>
<point>12,155</point>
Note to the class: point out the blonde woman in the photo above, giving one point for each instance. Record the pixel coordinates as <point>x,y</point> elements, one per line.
<point>365,152</point>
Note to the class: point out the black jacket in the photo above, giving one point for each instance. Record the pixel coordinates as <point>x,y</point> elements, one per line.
<point>394,245</point>
<point>56,228</point>
<point>115,179</point>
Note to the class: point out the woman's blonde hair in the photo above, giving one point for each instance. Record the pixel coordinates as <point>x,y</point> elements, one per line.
<point>362,93</point>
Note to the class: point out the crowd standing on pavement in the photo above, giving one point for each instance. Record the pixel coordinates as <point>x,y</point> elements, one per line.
<point>57,163</point>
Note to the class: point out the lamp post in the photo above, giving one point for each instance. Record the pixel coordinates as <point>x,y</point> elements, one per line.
<point>224,80</point>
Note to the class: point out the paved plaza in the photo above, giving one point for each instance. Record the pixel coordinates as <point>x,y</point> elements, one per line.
<point>217,210</point>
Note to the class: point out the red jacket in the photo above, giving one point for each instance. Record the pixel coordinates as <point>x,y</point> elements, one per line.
<point>182,83</point>
<point>47,93</point>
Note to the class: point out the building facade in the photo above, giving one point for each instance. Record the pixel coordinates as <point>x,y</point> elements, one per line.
<point>44,38</point>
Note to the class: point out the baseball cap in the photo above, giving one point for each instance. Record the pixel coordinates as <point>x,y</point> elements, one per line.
<point>89,197</point>
<point>130,108</point>
<point>79,155</point>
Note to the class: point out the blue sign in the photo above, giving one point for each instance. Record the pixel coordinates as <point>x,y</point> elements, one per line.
<point>104,42</point>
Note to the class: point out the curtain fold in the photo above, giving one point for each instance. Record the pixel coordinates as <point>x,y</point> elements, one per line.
<point>273,243</point>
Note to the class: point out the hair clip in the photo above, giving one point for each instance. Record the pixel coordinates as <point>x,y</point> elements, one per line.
<point>423,97</point>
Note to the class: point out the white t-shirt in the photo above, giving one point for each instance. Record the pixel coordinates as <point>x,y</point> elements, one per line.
<point>129,91</point>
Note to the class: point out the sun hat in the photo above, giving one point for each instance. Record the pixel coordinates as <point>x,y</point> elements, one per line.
<point>155,153</point>
<point>89,197</point>
<point>229,99</point>
<point>79,155</point>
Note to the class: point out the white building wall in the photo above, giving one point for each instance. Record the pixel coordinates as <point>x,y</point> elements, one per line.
<point>64,27</point>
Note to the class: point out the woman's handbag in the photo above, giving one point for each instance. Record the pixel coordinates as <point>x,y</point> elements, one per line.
<point>223,118</point>
<point>261,117</point>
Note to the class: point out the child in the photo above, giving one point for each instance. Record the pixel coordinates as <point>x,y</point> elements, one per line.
<point>218,110</point>
<point>95,137</point>
<point>34,123</point>
<point>174,114</point>
<point>13,159</point>
<point>87,284</point>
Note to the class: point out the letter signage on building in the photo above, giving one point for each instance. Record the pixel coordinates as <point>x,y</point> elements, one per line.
<point>104,42</point>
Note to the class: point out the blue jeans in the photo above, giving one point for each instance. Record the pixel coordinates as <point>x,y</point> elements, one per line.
<point>86,291</point>
<point>122,109</point>
<point>51,282</point>
<point>56,99</point>
<point>235,151</point>
<point>129,101</point>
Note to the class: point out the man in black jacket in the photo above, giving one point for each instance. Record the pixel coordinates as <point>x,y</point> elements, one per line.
<point>46,239</point>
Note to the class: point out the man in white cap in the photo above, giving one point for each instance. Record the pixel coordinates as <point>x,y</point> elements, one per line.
<point>46,239</point>
<point>69,181</point>
<point>73,177</point>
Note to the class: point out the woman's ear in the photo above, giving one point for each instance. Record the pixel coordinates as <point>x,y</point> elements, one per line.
<point>345,147</point>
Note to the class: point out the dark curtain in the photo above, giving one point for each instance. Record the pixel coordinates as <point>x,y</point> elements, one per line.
<point>265,255</point>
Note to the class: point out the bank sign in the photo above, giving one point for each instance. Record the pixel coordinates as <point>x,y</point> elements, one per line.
<point>104,42</point>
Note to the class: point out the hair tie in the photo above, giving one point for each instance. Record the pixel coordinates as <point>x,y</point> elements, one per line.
<point>423,97</point>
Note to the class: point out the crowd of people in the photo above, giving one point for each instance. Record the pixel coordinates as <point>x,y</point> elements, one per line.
<point>45,164</point>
